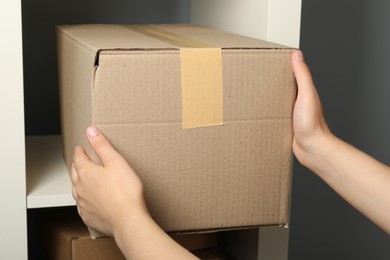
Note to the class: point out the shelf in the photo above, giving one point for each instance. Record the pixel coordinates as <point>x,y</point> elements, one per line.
<point>48,182</point>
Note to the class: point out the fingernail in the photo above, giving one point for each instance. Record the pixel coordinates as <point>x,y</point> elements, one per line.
<point>298,55</point>
<point>92,132</point>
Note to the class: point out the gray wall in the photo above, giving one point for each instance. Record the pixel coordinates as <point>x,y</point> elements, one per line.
<point>39,47</point>
<point>346,44</point>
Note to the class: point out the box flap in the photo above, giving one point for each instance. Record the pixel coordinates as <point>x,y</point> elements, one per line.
<point>122,37</point>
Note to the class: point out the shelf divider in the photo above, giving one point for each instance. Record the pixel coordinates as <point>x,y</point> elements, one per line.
<point>48,181</point>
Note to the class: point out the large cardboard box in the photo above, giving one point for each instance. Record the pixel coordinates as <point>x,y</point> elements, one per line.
<point>203,116</point>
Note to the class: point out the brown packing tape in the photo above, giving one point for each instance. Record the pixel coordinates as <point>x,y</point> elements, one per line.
<point>172,38</point>
<point>201,85</point>
<point>201,77</point>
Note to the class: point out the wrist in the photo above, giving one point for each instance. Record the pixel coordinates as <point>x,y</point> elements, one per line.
<point>129,225</point>
<point>129,218</point>
<point>313,151</point>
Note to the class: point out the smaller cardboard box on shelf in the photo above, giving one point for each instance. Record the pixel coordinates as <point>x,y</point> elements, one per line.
<point>64,236</point>
<point>203,116</point>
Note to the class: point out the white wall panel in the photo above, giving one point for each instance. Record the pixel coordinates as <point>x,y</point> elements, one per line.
<point>13,234</point>
<point>274,20</point>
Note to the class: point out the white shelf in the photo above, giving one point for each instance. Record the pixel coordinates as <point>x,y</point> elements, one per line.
<point>48,181</point>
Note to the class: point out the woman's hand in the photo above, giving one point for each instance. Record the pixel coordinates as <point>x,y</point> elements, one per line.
<point>110,199</point>
<point>106,193</point>
<point>310,129</point>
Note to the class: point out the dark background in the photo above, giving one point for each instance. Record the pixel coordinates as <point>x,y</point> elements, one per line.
<point>39,19</point>
<point>346,43</point>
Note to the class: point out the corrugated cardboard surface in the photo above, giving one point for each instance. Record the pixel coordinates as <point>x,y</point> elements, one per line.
<point>65,237</point>
<point>128,84</point>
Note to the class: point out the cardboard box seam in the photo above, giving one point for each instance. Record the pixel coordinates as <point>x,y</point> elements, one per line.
<point>179,122</point>
<point>116,51</point>
<point>214,230</point>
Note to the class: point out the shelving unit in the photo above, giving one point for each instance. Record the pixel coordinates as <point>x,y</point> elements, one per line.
<point>33,172</point>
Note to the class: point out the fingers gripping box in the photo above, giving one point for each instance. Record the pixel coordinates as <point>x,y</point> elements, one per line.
<point>203,116</point>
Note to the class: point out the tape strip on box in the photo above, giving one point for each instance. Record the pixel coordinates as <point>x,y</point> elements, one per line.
<point>201,77</point>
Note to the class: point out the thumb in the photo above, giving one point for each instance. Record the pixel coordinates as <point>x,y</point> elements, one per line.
<point>306,89</point>
<point>302,72</point>
<point>101,145</point>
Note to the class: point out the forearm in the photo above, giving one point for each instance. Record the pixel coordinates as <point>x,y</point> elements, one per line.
<point>141,238</point>
<point>358,178</point>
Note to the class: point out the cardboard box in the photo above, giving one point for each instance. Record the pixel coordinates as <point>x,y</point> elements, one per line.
<point>203,116</point>
<point>64,236</point>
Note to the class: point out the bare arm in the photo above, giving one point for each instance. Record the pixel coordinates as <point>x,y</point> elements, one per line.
<point>358,178</point>
<point>110,199</point>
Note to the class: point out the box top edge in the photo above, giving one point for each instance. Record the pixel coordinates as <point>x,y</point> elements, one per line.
<point>145,37</point>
